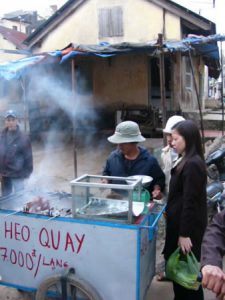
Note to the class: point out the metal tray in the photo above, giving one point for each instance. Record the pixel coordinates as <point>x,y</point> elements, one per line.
<point>109,207</point>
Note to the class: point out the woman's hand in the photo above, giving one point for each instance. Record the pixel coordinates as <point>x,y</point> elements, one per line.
<point>185,244</point>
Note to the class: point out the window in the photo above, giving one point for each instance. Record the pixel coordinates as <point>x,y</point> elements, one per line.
<point>110,22</point>
<point>14,27</point>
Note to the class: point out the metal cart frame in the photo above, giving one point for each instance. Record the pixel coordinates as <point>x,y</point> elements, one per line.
<point>108,258</point>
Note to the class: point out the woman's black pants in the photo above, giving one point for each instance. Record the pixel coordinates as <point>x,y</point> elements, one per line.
<point>182,293</point>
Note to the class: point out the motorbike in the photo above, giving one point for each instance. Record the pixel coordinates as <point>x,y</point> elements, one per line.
<point>215,163</point>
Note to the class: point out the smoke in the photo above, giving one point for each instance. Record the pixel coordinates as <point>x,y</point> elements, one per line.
<point>52,94</point>
<point>57,114</point>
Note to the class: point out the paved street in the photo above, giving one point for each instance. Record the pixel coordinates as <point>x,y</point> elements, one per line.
<point>164,291</point>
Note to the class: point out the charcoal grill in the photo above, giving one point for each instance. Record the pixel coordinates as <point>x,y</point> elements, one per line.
<point>57,203</point>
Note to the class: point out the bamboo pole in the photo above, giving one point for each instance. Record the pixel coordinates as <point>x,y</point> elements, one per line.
<point>74,121</point>
<point>24,104</point>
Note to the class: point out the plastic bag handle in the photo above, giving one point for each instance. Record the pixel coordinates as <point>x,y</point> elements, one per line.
<point>200,277</point>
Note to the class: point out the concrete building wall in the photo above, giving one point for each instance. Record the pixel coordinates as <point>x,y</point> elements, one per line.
<point>5,44</point>
<point>172,27</point>
<point>142,21</point>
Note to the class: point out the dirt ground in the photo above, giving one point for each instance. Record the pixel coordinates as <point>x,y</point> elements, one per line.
<point>53,171</point>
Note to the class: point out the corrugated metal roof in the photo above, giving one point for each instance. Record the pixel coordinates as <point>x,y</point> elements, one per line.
<point>14,36</point>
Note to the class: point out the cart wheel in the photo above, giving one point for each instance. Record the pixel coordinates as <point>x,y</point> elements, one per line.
<point>76,288</point>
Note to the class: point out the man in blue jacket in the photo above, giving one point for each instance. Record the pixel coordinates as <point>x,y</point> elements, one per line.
<point>130,159</point>
<point>16,160</point>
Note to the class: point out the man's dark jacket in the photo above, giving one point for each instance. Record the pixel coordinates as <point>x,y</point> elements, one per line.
<point>186,211</point>
<point>144,164</point>
<point>16,158</point>
<point>213,245</point>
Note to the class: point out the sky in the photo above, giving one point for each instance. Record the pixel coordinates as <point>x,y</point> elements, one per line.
<point>41,6</point>
<point>204,7</point>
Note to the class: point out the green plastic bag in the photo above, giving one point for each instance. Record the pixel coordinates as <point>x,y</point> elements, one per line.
<point>183,269</point>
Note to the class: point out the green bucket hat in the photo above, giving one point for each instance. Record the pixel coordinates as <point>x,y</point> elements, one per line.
<point>126,132</point>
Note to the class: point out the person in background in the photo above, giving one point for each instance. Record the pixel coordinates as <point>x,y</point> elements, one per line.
<point>212,253</point>
<point>16,160</point>
<point>169,155</point>
<point>131,159</point>
<point>186,210</point>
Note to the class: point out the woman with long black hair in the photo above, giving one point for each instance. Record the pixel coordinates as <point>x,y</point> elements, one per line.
<point>186,212</point>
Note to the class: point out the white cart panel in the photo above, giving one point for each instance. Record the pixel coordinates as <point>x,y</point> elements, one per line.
<point>33,248</point>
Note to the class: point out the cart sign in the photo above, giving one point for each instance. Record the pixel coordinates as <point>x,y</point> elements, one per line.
<point>21,237</point>
<point>111,257</point>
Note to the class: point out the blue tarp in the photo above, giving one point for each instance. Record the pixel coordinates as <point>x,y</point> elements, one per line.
<point>15,69</point>
<point>204,46</point>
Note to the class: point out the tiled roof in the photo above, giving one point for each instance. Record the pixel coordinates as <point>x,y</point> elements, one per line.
<point>14,36</point>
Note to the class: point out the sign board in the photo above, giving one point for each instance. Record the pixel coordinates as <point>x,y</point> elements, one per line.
<point>33,248</point>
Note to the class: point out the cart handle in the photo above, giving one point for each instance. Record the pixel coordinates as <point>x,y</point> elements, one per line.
<point>159,216</point>
<point>152,227</point>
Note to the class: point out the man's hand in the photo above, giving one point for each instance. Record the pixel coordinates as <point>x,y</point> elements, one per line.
<point>156,193</point>
<point>214,280</point>
<point>185,244</point>
<point>104,180</point>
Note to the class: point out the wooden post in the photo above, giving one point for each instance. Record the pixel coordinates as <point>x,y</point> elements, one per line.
<point>74,121</point>
<point>162,81</point>
<point>25,114</point>
<point>198,99</point>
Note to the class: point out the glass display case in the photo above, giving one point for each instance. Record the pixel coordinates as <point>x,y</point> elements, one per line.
<point>107,198</point>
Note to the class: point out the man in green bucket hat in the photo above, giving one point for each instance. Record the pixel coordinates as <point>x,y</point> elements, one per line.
<point>130,159</point>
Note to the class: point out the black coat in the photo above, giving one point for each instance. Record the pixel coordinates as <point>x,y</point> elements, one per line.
<point>186,211</point>
<point>16,160</point>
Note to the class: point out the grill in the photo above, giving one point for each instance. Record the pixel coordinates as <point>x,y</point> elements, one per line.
<point>52,204</point>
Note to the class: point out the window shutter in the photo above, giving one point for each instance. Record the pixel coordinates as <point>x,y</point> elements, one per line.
<point>117,21</point>
<point>110,22</point>
<point>103,22</point>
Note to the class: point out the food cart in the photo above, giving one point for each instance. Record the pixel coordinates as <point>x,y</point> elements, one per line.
<point>95,243</point>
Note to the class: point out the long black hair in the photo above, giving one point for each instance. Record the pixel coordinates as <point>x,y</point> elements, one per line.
<point>190,133</point>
